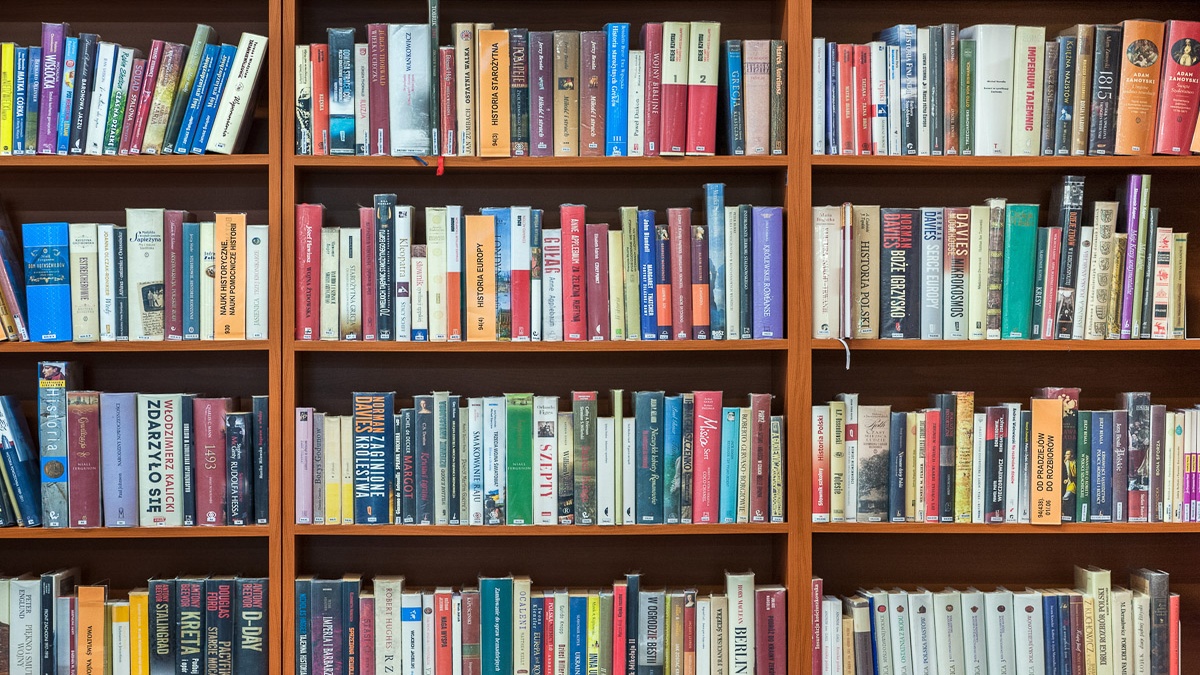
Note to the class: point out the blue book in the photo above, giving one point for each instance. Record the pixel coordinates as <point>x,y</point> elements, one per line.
<point>714,206</point>
<point>1064,98</point>
<point>731,422</point>
<point>32,103</point>
<point>20,99</point>
<point>374,445</point>
<point>831,99</point>
<point>303,625</point>
<point>495,625</point>
<point>213,98</point>
<point>616,117</point>
<point>897,457</point>
<point>766,289</point>
<point>647,290</point>
<point>424,457</point>
<point>648,422</point>
<point>732,118</point>
<point>47,281</point>
<point>672,457</point>
<point>537,626</point>
<point>1065,634</point>
<point>577,640</point>
<point>1050,632</point>
<point>191,281</point>
<point>904,36</point>
<point>341,91</point>
<point>67,99</point>
<point>1102,454</point>
<point>503,216</point>
<point>20,462</point>
<point>118,458</point>
<point>662,278</point>
<point>195,105</point>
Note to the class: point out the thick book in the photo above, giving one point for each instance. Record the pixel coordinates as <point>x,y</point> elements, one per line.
<point>118,459</point>
<point>675,62</point>
<point>1138,88</point>
<point>993,87</point>
<point>766,287</point>
<point>592,81</point>
<point>236,107</point>
<point>495,131</point>
<point>566,93</point>
<point>341,90</point>
<point>652,39</point>
<point>47,281</point>
<point>541,94</point>
<point>159,461</point>
<point>1020,244</point>
<point>1179,91</point>
<point>1106,66</point>
<point>144,230</point>
<point>702,79</point>
<point>55,378</point>
<point>188,76</point>
<point>899,270</point>
<point>518,49</point>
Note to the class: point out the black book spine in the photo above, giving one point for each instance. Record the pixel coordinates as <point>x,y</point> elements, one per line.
<point>350,592</point>
<point>121,280</point>
<point>303,626</point>
<point>1067,208</point>
<point>237,460</point>
<point>1050,98</point>
<point>687,458</point>
<point>518,49</point>
<point>937,101</point>
<point>187,459</point>
<point>778,99</point>
<point>385,294</point>
<point>85,79</point>
<point>162,627</point>
<point>1106,71</point>
<point>454,448</point>
<point>251,629</point>
<point>218,626</point>
<point>260,407</point>
<point>897,461</point>
<point>949,407</point>
<point>190,626</point>
<point>995,446</point>
<point>899,274</point>
<point>406,455</point>
<point>1147,298</point>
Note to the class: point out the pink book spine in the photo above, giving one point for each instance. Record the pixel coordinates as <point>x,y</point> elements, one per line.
<point>574,289</point>
<point>820,464</point>
<point>1051,281</point>
<point>304,465</point>
<point>933,419</point>
<point>756,83</point>
<point>652,36</point>
<point>308,270</point>
<point>149,79</point>
<point>370,280</point>
<point>679,224</point>
<point>173,274</point>
<point>366,635</point>
<point>136,78</point>
<point>814,608</point>
<point>83,449</point>
<point>208,428</point>
<point>706,467</point>
<point>377,55</point>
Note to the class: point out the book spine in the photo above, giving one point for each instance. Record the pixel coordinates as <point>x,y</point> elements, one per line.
<point>679,224</point>
<point>652,45</point>
<point>190,282</point>
<point>118,455</point>
<point>1138,89</point>
<point>574,286</point>
<point>616,115</point>
<point>495,132</point>
<point>47,282</point>
<point>51,86</point>
<point>1064,99</point>
<point>173,274</point>
<point>901,314</point>
<point>777,128</point>
<point>84,279</point>
<point>229,126</point>
<point>159,477</point>
<point>251,623</point>
<point>647,275</point>
<point>566,93</point>
<point>212,460</point>
<point>596,266</point>
<point>700,278</point>
<point>518,46</point>
<point>592,98</point>
<point>222,75</point>
<point>374,439</point>
<point>17,464</point>
<point>703,68</point>
<point>541,94</point>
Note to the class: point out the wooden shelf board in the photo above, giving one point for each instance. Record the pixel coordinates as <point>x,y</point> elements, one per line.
<point>536,530</point>
<point>1009,345</point>
<point>544,163</point>
<point>534,347</point>
<point>959,162</point>
<point>135,532</point>
<point>170,162</point>
<point>1006,528</point>
<point>161,346</point>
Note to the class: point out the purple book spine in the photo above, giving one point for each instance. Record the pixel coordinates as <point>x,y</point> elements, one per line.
<point>1120,466</point>
<point>541,93</point>
<point>52,48</point>
<point>767,244</point>
<point>1133,200</point>
<point>118,459</point>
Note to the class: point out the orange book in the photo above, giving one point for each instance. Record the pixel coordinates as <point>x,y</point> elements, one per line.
<point>89,643</point>
<point>495,132</point>
<point>1045,485</point>
<point>479,266</point>
<point>229,299</point>
<point>1137,98</point>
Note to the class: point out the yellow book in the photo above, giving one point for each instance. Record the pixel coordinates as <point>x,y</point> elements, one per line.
<point>119,652</point>
<point>964,449</point>
<point>8,73</point>
<point>90,636</point>
<point>230,313</point>
<point>479,268</point>
<point>1089,634</point>
<point>1045,487</point>
<point>139,632</point>
<point>333,470</point>
<point>593,634</point>
<point>910,467</point>
<point>837,467</point>
<point>347,469</point>
<point>8,328</point>
<point>495,134</point>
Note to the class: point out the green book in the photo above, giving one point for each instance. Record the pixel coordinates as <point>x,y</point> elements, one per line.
<point>496,625</point>
<point>1143,235</point>
<point>519,472</point>
<point>583,406</point>
<point>966,96</point>
<point>119,99</point>
<point>1083,479</point>
<point>204,35</point>
<point>1020,251</point>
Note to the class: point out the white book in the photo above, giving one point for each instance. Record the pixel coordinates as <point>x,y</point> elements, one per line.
<point>122,73</point>
<point>882,612</point>
<point>1122,631</point>
<point>475,460</point>
<point>1001,648</point>
<point>429,649</point>
<point>978,462</point>
<point>1012,464</point>
<point>119,639</point>
<point>403,272</point>
<point>993,86</point>
<point>160,464</point>
<point>1097,583</point>
<point>349,283</point>
<point>616,285</point>
<point>831,636</point>
<point>719,665</point>
<point>1029,57</point>
<point>106,250</point>
<point>879,97</point>
<point>739,588</point>
<point>258,282</point>
<point>924,139</point>
<point>948,632</point>
<point>412,638</point>
<point>420,293</point>
<point>899,630</point>
<point>25,625</point>
<point>435,276</point>
<point>637,103</point>
<point>388,590</point>
<point>454,266</point>
<point>973,632</point>
<point>522,595</point>
<point>1083,280</point>
<point>362,99</point>
<point>238,96</point>
<point>733,274</point>
<point>85,282</point>
<point>606,471</point>
<point>456,643</point>
<point>441,458</point>
<point>703,636</point>
<point>494,459</point>
<point>1027,633</point>
<point>1141,634</point>
<point>1104,222</point>
<point>562,632</point>
<point>850,441</point>
<point>818,96</point>
<point>331,469</point>
<point>464,86</point>
<point>519,252</point>
<point>545,431</point>
<point>330,288</point>
<point>144,231</point>
<point>894,122</point>
<point>410,89</point>
<point>552,290</point>
<point>932,248</point>
<point>97,116</point>
<point>924,642</point>
<point>629,473</point>
<point>977,281</point>
<point>827,271</point>
<point>208,276</point>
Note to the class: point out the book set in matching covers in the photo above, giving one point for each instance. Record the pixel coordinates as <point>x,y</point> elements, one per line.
<point>563,93</point>
<point>517,459</point>
<point>81,95</point>
<point>998,89</point>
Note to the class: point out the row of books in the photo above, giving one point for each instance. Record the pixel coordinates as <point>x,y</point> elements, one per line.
<point>82,95</point>
<point>997,89</point>
<point>1094,627</point>
<point>207,625</point>
<point>990,272</point>
<point>564,93</point>
<point>505,625</point>
<point>1046,463</point>
<point>158,276</point>
<point>517,460</point>
<point>130,459</point>
<point>503,275</point>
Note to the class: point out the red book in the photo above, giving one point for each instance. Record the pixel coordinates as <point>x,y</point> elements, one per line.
<point>471,664</point>
<point>308,270</point>
<point>209,463</point>
<point>1049,316</point>
<point>847,112</point>
<point>149,79</point>
<point>679,222</point>
<point>320,98</point>
<point>366,635</point>
<point>1179,89</point>
<point>379,140</point>
<point>619,619</point>
<point>700,280</point>
<point>521,260</point>
<point>449,107</point>
<point>652,37</point>
<point>83,459</point>
<point>173,274</point>
<point>574,288</point>
<point>443,624</point>
<point>704,57</point>
<point>933,431</point>
<point>673,139</point>
<point>370,278</point>
<point>549,616</point>
<point>760,450</point>
<point>1173,635</point>
<point>862,98</point>
<point>137,75</point>
<point>770,630</point>
<point>597,281</point>
<point>706,462</point>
